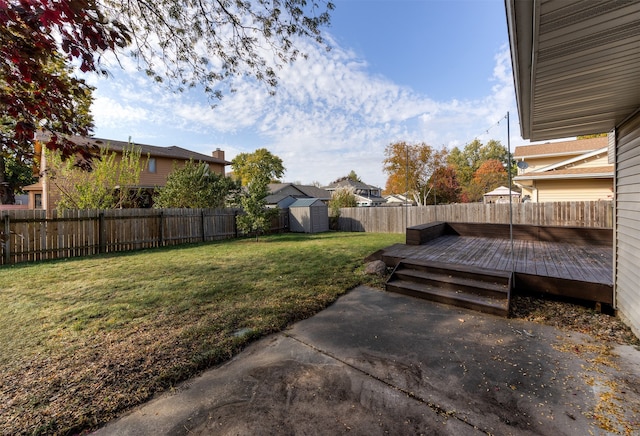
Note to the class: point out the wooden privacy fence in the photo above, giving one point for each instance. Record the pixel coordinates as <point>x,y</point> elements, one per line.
<point>29,235</point>
<point>397,219</point>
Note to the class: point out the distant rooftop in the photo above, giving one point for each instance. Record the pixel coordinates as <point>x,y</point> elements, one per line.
<point>560,148</point>
<point>152,150</point>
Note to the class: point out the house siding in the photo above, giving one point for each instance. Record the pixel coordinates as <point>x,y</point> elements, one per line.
<point>164,166</point>
<point>627,243</point>
<point>537,163</point>
<point>601,161</point>
<point>575,190</point>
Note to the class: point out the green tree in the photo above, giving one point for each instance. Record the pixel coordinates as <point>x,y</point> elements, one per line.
<point>195,186</point>
<point>342,197</point>
<point>255,171</point>
<point>16,171</point>
<point>467,161</point>
<point>256,217</point>
<point>351,176</point>
<point>410,168</point>
<point>260,165</point>
<point>111,183</point>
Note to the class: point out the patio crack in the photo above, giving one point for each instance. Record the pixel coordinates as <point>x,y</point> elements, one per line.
<point>439,410</point>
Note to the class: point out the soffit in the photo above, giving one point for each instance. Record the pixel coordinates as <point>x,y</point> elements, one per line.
<point>575,63</point>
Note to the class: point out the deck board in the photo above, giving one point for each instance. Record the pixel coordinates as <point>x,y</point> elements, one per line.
<point>552,259</point>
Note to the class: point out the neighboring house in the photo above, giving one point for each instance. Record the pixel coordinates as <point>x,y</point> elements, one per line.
<point>575,170</point>
<point>21,203</point>
<point>281,195</point>
<point>160,162</point>
<point>398,200</point>
<point>501,195</point>
<point>575,67</point>
<point>366,195</point>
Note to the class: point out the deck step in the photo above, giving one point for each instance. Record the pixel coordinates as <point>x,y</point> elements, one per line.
<point>453,282</point>
<point>483,290</point>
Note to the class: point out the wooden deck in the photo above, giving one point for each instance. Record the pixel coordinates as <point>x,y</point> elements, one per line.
<point>560,268</point>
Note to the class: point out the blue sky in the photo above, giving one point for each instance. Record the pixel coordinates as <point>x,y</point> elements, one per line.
<point>430,71</point>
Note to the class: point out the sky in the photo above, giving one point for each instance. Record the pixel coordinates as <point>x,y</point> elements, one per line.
<point>421,71</point>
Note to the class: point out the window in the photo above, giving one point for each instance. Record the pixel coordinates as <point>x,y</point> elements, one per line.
<point>152,164</point>
<point>37,199</point>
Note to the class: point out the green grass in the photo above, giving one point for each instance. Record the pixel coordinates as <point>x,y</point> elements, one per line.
<point>83,340</point>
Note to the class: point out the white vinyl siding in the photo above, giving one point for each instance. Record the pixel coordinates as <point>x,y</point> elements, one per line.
<point>611,147</point>
<point>627,243</point>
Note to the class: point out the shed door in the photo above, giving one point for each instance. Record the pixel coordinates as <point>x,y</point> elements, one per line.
<point>319,219</point>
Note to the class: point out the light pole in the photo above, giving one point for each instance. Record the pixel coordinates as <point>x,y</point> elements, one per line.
<point>406,192</point>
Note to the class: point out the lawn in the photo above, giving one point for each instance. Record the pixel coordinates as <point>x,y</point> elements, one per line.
<point>83,340</point>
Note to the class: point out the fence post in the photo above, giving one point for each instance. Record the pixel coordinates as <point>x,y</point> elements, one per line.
<point>161,229</point>
<point>235,223</point>
<point>7,239</point>
<point>102,230</point>
<point>204,239</point>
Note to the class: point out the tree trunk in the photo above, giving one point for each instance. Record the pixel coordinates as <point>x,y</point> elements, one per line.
<point>6,190</point>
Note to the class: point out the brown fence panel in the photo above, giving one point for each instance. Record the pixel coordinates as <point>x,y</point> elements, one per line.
<point>397,219</point>
<point>29,235</point>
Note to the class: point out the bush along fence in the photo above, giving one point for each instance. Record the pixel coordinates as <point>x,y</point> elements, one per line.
<point>397,219</point>
<point>29,235</point>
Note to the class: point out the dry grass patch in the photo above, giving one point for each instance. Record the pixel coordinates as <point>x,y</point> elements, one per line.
<point>83,340</point>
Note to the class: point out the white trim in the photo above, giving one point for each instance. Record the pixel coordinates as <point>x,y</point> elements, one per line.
<point>584,156</point>
<point>549,176</point>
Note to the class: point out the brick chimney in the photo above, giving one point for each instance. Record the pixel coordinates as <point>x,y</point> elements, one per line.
<point>218,154</point>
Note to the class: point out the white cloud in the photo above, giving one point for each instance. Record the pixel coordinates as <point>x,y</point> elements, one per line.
<point>330,115</point>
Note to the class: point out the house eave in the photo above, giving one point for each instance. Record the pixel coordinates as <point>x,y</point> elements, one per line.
<point>547,176</point>
<point>574,65</point>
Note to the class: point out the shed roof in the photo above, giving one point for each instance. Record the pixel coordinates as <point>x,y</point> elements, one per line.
<point>307,202</point>
<point>502,190</point>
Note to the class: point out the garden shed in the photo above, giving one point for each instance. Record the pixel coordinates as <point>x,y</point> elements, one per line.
<point>501,195</point>
<point>308,215</point>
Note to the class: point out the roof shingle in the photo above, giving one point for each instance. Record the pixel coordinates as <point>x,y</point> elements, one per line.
<point>560,148</point>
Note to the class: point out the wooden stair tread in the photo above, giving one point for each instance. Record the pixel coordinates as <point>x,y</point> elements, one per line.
<point>452,279</point>
<point>458,295</point>
<point>455,268</point>
<point>472,288</point>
